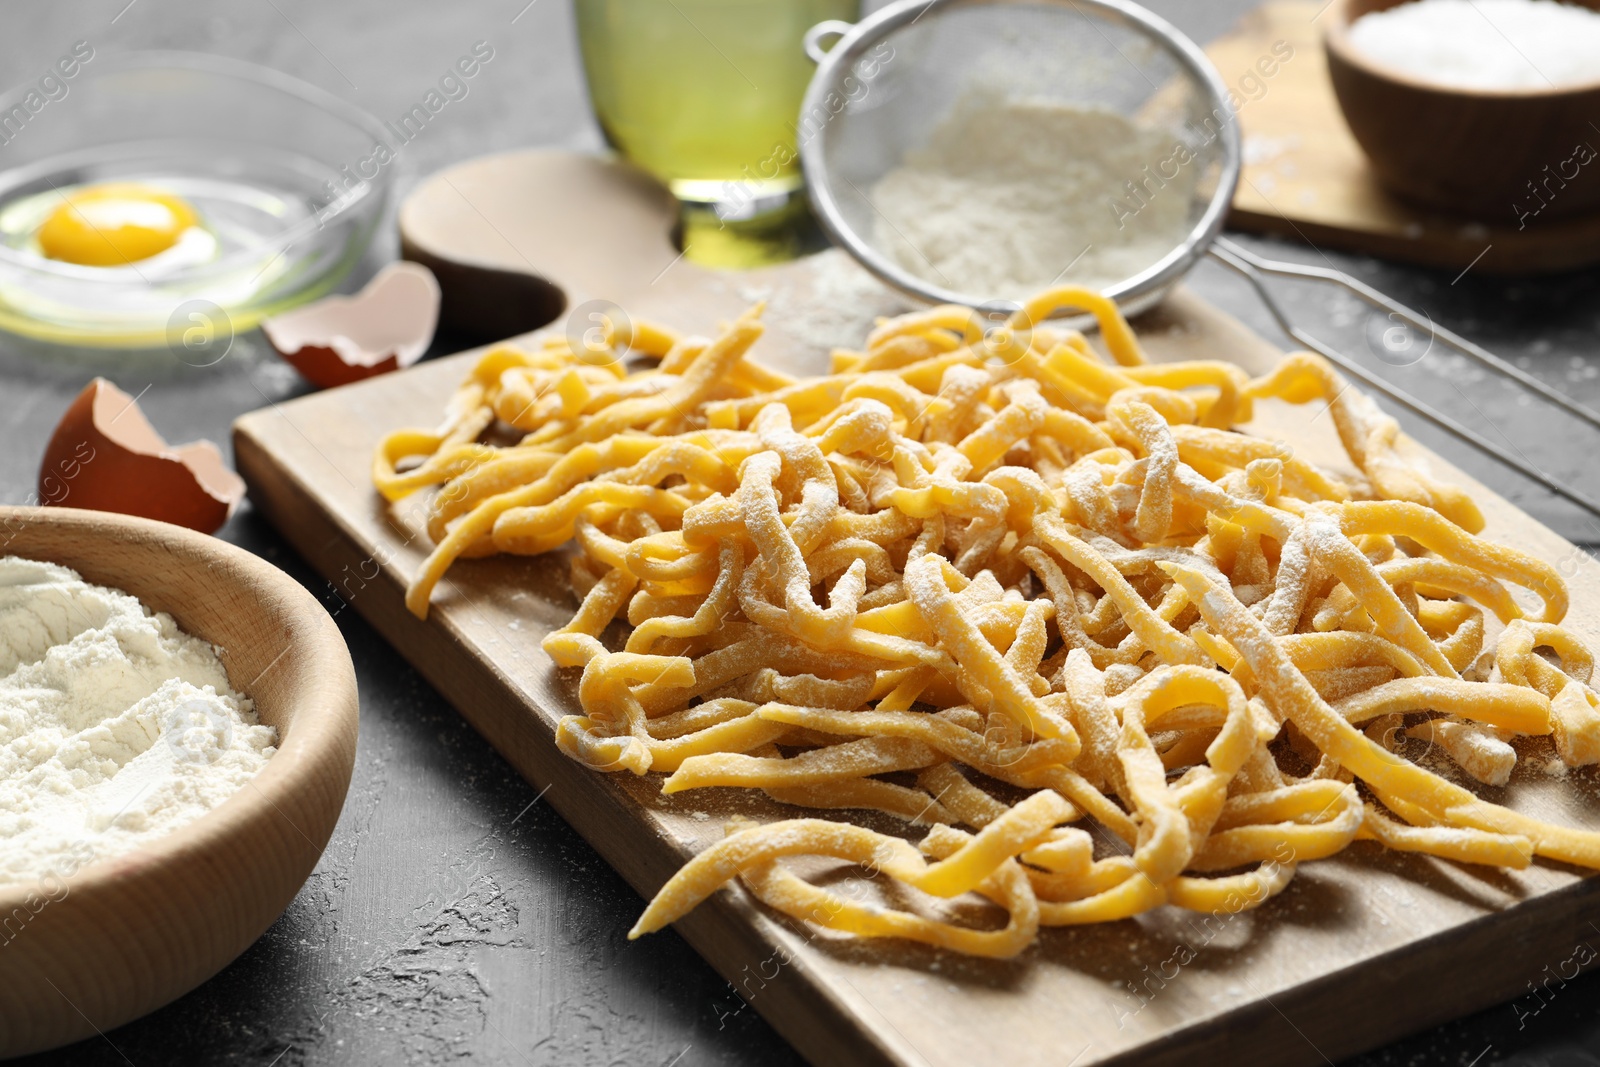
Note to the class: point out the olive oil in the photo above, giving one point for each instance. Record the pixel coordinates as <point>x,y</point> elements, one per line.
<point>704,94</point>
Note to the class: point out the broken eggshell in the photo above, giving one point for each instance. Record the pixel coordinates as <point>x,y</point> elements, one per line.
<point>106,456</point>
<point>343,339</point>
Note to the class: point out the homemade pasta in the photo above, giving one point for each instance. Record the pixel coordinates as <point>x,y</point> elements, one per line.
<point>1050,605</point>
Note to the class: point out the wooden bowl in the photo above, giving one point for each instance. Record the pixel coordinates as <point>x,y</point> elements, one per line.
<point>1507,157</point>
<point>123,936</point>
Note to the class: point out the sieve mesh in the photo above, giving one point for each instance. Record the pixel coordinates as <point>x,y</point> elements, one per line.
<point>886,85</point>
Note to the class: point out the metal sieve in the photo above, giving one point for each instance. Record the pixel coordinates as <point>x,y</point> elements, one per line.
<point>887,83</point>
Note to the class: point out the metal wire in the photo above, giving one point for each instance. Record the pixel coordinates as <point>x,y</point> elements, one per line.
<point>1252,267</point>
<point>1422,324</point>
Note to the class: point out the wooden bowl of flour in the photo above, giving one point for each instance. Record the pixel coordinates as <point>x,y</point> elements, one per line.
<point>120,937</point>
<point>1508,156</point>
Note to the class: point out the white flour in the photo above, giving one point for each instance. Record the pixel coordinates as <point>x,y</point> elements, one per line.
<point>115,726</point>
<point>832,304</point>
<point>1485,44</point>
<point>1012,195</point>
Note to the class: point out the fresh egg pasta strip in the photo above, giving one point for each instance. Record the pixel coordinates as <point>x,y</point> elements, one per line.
<point>850,759</point>
<point>1337,555</point>
<point>778,888</point>
<point>1464,845</point>
<point>1485,757</point>
<point>870,794</point>
<point>1510,707</point>
<point>937,733</point>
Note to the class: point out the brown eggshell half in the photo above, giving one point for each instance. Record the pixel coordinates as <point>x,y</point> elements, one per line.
<point>343,339</point>
<point>105,455</point>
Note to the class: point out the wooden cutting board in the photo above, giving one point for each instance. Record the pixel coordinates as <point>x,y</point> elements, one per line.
<point>1306,178</point>
<point>1359,950</point>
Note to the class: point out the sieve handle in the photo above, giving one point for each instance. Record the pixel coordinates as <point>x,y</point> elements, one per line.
<point>815,35</point>
<point>1253,268</point>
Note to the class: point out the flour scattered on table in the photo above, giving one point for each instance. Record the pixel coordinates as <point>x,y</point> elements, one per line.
<point>1260,150</point>
<point>116,728</point>
<point>832,303</point>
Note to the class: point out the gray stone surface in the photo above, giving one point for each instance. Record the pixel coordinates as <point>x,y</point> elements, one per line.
<point>454,917</point>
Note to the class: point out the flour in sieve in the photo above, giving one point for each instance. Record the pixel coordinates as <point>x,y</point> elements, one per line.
<point>1010,196</point>
<point>115,726</point>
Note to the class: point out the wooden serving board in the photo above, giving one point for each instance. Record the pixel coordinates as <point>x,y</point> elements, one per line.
<point>1306,178</point>
<point>1359,950</point>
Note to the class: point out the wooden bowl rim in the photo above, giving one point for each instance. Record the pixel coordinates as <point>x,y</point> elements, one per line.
<point>325,688</point>
<point>1335,38</point>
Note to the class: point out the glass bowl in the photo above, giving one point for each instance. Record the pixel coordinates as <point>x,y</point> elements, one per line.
<point>289,179</point>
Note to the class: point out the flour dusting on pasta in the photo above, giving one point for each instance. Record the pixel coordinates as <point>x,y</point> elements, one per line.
<point>1026,597</point>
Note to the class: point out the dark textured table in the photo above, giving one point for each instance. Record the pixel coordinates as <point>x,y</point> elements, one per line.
<point>454,917</point>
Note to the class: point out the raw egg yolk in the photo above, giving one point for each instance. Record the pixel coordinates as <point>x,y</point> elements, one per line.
<point>109,225</point>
